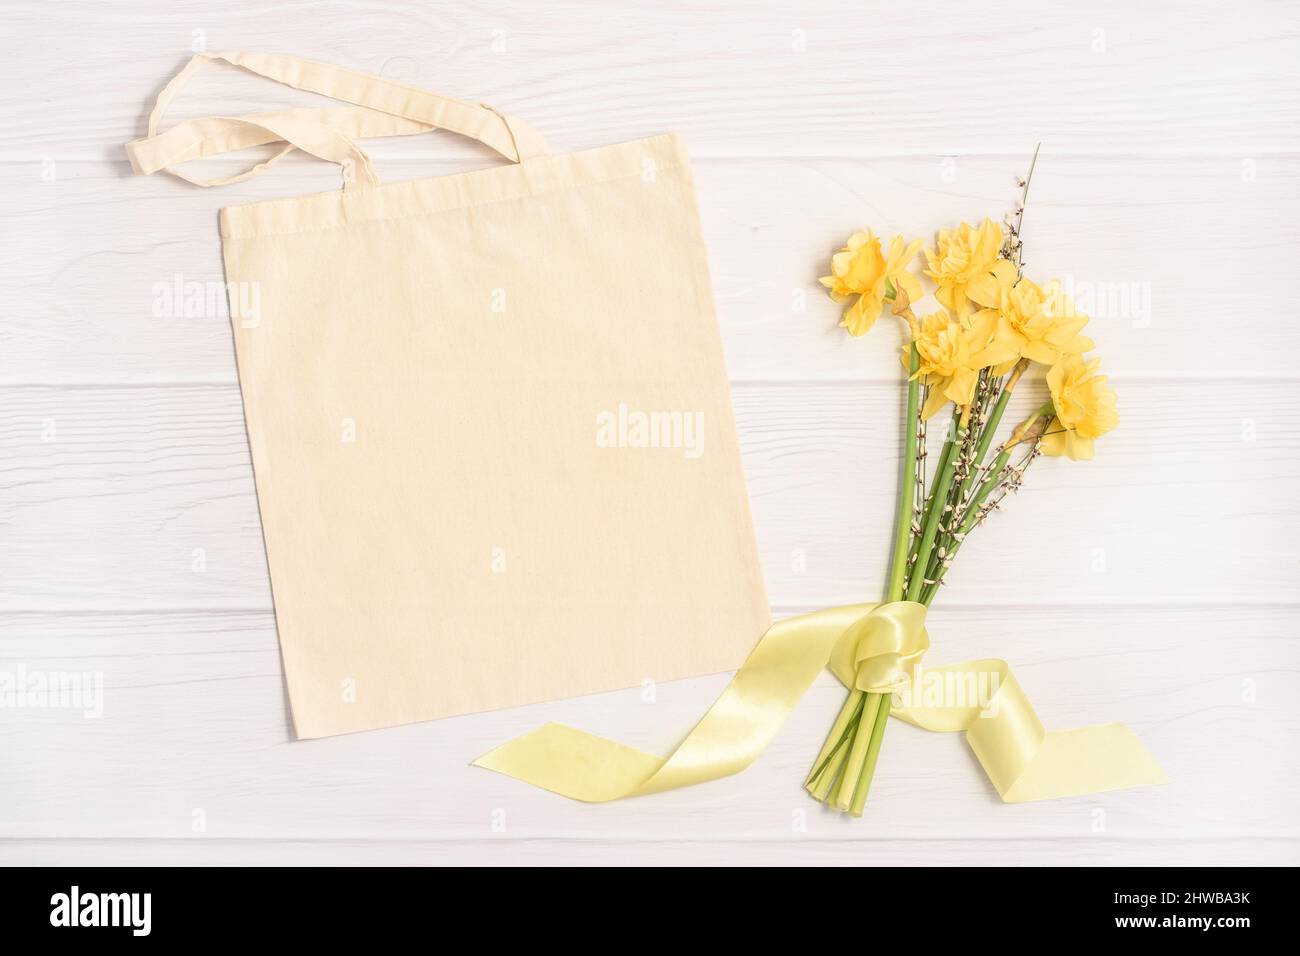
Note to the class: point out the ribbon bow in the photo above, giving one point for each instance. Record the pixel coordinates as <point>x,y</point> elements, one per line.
<point>876,648</point>
<point>880,651</point>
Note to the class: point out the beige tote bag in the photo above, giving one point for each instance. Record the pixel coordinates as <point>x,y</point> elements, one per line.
<point>494,449</point>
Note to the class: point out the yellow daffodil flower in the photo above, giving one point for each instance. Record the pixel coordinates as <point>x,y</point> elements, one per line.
<point>1024,319</point>
<point>1086,408</point>
<point>861,268</point>
<point>962,256</point>
<point>947,350</point>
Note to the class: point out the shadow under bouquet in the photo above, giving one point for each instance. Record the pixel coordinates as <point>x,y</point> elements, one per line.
<point>967,357</point>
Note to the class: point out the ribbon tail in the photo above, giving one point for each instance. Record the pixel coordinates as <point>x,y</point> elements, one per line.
<point>1087,760</point>
<point>732,733</point>
<point>1023,760</point>
<point>573,763</point>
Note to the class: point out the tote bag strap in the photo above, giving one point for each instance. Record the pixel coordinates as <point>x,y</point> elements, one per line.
<point>382,108</point>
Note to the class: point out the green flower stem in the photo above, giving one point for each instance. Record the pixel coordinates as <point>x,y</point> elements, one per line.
<point>849,780</point>
<point>836,749</point>
<point>854,733</point>
<point>896,588</point>
<point>917,589</point>
<point>1042,415</point>
<point>995,417</point>
<point>945,456</point>
<point>946,540</point>
<point>986,438</point>
<point>873,752</point>
<point>968,520</point>
<point>938,501</point>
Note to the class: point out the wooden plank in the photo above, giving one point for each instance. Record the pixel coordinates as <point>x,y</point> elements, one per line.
<point>88,297</point>
<point>1155,585</point>
<point>820,79</point>
<point>142,497</point>
<point>194,728</point>
<point>1084,851</point>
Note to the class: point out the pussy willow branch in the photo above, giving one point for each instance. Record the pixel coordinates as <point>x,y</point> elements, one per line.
<point>1013,247</point>
<point>919,496</point>
<point>963,467</point>
<point>974,470</point>
<point>938,502</point>
<point>1003,476</point>
<point>970,473</point>
<point>907,483</point>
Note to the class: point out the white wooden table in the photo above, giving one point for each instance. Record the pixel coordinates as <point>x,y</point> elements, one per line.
<point>1156,585</point>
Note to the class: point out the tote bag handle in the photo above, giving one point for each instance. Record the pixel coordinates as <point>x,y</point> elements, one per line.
<point>382,108</point>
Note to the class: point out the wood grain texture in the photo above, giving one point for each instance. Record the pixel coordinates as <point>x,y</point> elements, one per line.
<point>813,78</point>
<point>1121,233</point>
<point>505,851</point>
<point>127,490</point>
<point>204,689</point>
<point>1156,585</point>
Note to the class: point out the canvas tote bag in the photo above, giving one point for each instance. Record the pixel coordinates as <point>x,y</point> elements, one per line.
<point>493,444</point>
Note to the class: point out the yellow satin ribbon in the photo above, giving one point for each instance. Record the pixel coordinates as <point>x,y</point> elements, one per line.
<point>876,648</point>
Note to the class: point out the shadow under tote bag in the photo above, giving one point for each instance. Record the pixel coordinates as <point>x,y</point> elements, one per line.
<point>493,443</point>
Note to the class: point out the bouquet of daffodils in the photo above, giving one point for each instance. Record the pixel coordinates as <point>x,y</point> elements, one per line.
<point>969,355</point>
